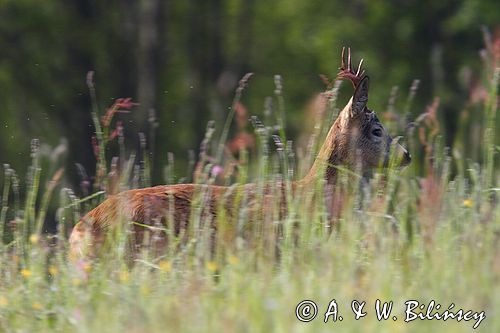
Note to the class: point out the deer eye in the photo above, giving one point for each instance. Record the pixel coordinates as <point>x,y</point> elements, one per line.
<point>377,132</point>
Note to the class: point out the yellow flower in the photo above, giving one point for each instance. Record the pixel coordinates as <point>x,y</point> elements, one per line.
<point>145,290</point>
<point>76,282</point>
<point>165,266</point>
<point>233,260</point>
<point>124,275</point>
<point>34,238</point>
<point>3,301</point>
<point>87,267</point>
<point>468,203</point>
<point>36,306</point>
<point>212,266</point>
<point>26,273</point>
<point>53,270</point>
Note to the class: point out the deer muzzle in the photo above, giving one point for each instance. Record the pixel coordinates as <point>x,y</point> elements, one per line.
<point>402,155</point>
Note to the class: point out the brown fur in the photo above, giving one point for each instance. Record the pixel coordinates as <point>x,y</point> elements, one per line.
<point>153,209</point>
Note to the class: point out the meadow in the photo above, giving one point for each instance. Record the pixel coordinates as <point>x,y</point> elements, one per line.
<point>430,231</point>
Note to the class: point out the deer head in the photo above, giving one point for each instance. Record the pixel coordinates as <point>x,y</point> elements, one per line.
<point>358,139</point>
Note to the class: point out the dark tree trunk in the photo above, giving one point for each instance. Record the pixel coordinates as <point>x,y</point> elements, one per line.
<point>149,15</point>
<point>206,62</point>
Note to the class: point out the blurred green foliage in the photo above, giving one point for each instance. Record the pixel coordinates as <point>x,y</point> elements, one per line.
<point>183,59</point>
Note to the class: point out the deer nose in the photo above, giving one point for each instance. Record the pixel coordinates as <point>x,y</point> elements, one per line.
<point>407,157</point>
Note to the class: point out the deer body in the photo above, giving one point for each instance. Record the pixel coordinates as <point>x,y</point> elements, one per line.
<point>356,140</point>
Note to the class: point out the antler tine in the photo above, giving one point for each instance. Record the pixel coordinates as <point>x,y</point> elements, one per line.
<point>359,68</point>
<point>342,66</point>
<point>349,66</point>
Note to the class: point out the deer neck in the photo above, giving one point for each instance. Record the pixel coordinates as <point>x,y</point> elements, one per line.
<point>329,156</point>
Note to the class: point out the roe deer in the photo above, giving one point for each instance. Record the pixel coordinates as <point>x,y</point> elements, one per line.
<point>356,140</point>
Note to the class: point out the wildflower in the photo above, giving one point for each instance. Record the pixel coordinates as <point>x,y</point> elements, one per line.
<point>125,103</point>
<point>165,266</point>
<point>468,203</point>
<point>121,105</point>
<point>145,290</point>
<point>53,270</point>
<point>212,266</point>
<point>36,306</point>
<point>124,275</point>
<point>217,170</point>
<point>26,273</point>
<point>3,302</point>
<point>76,282</point>
<point>34,238</point>
<point>87,267</point>
<point>233,260</point>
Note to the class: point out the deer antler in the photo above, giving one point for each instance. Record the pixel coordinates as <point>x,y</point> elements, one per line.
<point>346,72</point>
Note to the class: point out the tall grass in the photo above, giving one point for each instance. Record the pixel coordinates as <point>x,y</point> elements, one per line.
<point>396,236</point>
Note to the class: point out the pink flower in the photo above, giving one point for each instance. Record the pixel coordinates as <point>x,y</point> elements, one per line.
<point>217,170</point>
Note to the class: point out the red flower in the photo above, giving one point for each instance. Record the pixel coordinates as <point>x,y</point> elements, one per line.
<point>121,105</point>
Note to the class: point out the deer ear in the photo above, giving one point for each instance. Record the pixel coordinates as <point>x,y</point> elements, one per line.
<point>360,97</point>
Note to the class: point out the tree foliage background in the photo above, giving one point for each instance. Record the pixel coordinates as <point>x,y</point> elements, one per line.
<point>184,58</point>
